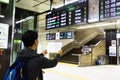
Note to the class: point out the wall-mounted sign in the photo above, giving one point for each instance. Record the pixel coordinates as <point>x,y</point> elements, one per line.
<point>51,36</point>
<point>4,35</point>
<point>112,51</point>
<point>113,43</point>
<point>66,35</point>
<point>60,35</point>
<point>93,11</point>
<point>118,35</point>
<point>86,49</point>
<point>57,36</point>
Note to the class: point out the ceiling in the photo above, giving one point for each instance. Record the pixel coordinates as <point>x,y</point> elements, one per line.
<point>41,6</point>
<point>38,6</point>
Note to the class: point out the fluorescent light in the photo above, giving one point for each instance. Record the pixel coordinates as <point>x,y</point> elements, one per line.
<point>88,26</point>
<point>30,17</point>
<point>49,12</point>
<point>106,24</point>
<point>58,6</point>
<point>99,25</point>
<point>4,1</point>
<point>2,16</point>
<point>93,20</point>
<point>22,20</point>
<point>72,1</point>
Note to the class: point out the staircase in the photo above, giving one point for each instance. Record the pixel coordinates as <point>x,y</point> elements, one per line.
<point>95,40</point>
<point>69,57</point>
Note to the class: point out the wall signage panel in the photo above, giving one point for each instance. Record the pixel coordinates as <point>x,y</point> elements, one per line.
<point>109,9</point>
<point>67,15</point>
<point>66,35</point>
<point>93,15</point>
<point>51,36</point>
<point>60,35</point>
<point>4,35</point>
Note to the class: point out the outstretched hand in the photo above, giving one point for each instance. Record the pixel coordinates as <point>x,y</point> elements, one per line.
<point>44,52</point>
<point>60,52</point>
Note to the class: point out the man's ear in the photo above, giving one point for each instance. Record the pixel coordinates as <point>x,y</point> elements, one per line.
<point>36,42</point>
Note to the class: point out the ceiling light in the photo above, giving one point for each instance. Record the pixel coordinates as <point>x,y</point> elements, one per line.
<point>2,16</point>
<point>88,26</point>
<point>66,3</point>
<point>22,20</point>
<point>58,6</point>
<point>99,24</point>
<point>93,20</point>
<point>72,1</point>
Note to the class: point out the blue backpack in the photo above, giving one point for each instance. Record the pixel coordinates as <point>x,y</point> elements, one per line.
<point>17,71</point>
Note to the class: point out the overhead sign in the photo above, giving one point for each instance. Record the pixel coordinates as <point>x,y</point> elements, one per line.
<point>4,35</point>
<point>109,9</point>
<point>66,35</point>
<point>73,13</point>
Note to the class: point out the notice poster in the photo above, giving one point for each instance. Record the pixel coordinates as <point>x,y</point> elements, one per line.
<point>112,51</point>
<point>4,35</point>
<point>54,46</point>
<point>57,36</point>
<point>113,42</point>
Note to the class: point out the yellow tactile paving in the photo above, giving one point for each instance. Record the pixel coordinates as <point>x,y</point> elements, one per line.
<point>67,64</point>
<point>66,74</point>
<point>65,71</point>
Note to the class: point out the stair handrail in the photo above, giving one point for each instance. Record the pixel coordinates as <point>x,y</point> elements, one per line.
<point>85,40</point>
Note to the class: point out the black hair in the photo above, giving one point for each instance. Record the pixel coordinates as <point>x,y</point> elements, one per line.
<point>29,38</point>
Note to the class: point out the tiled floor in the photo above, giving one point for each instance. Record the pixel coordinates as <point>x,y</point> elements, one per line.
<point>65,71</point>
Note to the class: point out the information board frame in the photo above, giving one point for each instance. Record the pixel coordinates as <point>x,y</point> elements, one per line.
<point>67,15</point>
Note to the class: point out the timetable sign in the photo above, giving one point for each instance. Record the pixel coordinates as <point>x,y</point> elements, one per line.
<point>109,9</point>
<point>67,15</point>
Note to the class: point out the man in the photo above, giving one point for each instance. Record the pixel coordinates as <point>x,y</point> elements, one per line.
<point>37,62</point>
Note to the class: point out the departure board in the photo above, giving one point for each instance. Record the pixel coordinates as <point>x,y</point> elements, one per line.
<point>67,15</point>
<point>109,9</point>
<point>66,35</point>
<point>50,36</point>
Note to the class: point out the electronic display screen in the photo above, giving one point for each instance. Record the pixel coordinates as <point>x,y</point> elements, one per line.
<point>109,9</point>
<point>51,36</point>
<point>66,35</point>
<point>67,15</point>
